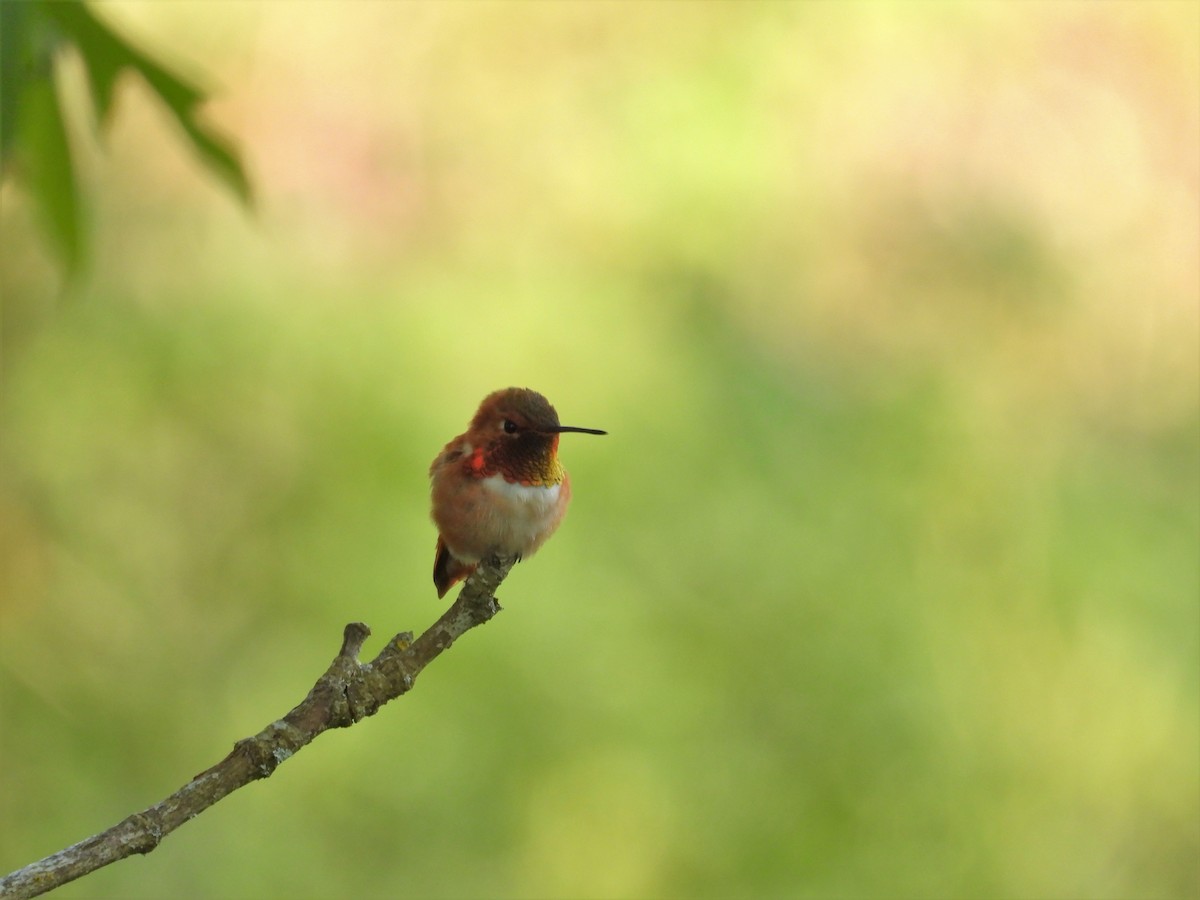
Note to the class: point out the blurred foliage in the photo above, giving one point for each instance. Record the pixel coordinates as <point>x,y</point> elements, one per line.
<point>886,580</point>
<point>34,137</point>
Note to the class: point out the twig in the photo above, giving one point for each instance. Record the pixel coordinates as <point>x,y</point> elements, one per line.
<point>348,692</point>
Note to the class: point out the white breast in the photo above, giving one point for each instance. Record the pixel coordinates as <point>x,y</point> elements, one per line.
<point>535,498</point>
<point>525,514</point>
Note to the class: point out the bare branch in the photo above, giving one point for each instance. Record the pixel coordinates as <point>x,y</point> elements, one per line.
<point>348,692</point>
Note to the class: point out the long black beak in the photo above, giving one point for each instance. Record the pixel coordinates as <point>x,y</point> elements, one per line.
<point>557,429</point>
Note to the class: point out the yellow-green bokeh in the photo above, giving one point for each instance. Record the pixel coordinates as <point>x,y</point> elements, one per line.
<point>886,580</point>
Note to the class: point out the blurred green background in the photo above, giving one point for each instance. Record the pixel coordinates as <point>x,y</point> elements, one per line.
<point>886,581</point>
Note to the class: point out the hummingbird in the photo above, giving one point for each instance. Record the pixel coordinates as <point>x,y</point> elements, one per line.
<point>499,487</point>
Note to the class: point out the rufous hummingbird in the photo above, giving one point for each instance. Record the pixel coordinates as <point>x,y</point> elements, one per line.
<point>499,487</point>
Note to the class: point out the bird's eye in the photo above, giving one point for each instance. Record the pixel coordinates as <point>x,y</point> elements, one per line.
<point>510,427</point>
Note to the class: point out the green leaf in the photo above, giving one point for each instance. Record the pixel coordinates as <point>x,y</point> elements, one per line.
<point>221,157</point>
<point>13,23</point>
<point>44,158</point>
<point>105,55</point>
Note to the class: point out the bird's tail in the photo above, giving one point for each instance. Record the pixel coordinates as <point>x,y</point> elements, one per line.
<point>448,569</point>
